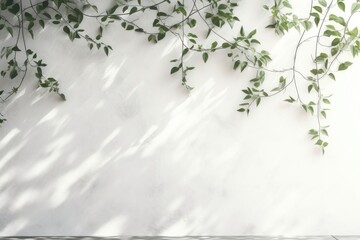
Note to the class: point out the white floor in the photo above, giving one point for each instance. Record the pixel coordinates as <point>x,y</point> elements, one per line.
<point>194,238</point>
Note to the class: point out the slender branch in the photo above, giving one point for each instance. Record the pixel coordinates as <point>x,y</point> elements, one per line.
<point>21,23</point>
<point>317,75</point>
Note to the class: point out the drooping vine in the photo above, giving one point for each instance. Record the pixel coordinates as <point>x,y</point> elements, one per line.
<point>199,25</point>
<point>333,39</point>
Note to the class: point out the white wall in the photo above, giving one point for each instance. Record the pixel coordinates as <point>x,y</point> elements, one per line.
<point>132,153</point>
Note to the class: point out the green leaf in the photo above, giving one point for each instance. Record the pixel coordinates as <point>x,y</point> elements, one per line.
<point>242,32</point>
<point>160,35</point>
<point>317,20</point>
<point>192,23</point>
<point>323,113</point>
<point>16,49</point>
<point>258,100</point>
<point>182,10</point>
<point>290,99</point>
<point>287,4</point>
<point>310,87</point>
<point>205,57</point>
<point>252,33</point>
<point>344,66</point>
<point>14,9</point>
<point>57,3</point>
<point>213,45</point>
<point>217,21</point>
<point>323,131</point>
<point>13,73</point>
<point>7,3</point>
<point>321,57</point>
<point>355,7</point>
<point>304,107</point>
<point>315,15</point>
<point>341,5</point>
<point>332,76</point>
<point>306,24</point>
<point>322,3</point>
<point>66,29</point>
<point>225,45</point>
<point>331,27</point>
<point>313,132</point>
<point>325,100</point>
<point>337,19</point>
<point>255,41</point>
<point>133,10</point>
<point>334,51</point>
<point>62,96</point>
<point>353,33</point>
<point>222,6</point>
<point>243,65</point>
<point>236,64</point>
<point>152,38</point>
<point>354,50</point>
<point>311,109</point>
<point>317,71</point>
<point>42,23</point>
<point>161,14</point>
<point>174,70</point>
<point>28,16</point>
<point>335,42</point>
<point>131,27</point>
<point>318,8</point>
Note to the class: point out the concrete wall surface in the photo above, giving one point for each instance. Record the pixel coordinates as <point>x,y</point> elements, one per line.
<point>131,152</point>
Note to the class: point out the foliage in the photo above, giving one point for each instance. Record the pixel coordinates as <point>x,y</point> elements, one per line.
<point>331,21</point>
<point>185,20</point>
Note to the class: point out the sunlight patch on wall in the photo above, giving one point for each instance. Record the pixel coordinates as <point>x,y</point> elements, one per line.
<point>41,167</point>
<point>48,117</point>
<point>110,74</point>
<point>111,137</point>
<point>12,152</point>
<point>64,184</point>
<point>24,198</point>
<point>8,137</point>
<point>111,228</point>
<point>6,177</point>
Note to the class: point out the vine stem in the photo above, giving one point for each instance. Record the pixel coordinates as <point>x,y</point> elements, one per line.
<point>296,53</point>
<point>340,51</point>
<point>182,47</point>
<point>318,110</point>
<point>293,69</point>
<point>21,24</point>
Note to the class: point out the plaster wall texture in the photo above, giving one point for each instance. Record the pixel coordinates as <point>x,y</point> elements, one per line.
<point>133,153</point>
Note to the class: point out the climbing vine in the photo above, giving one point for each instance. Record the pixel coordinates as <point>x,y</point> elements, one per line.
<point>197,24</point>
<point>328,25</point>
